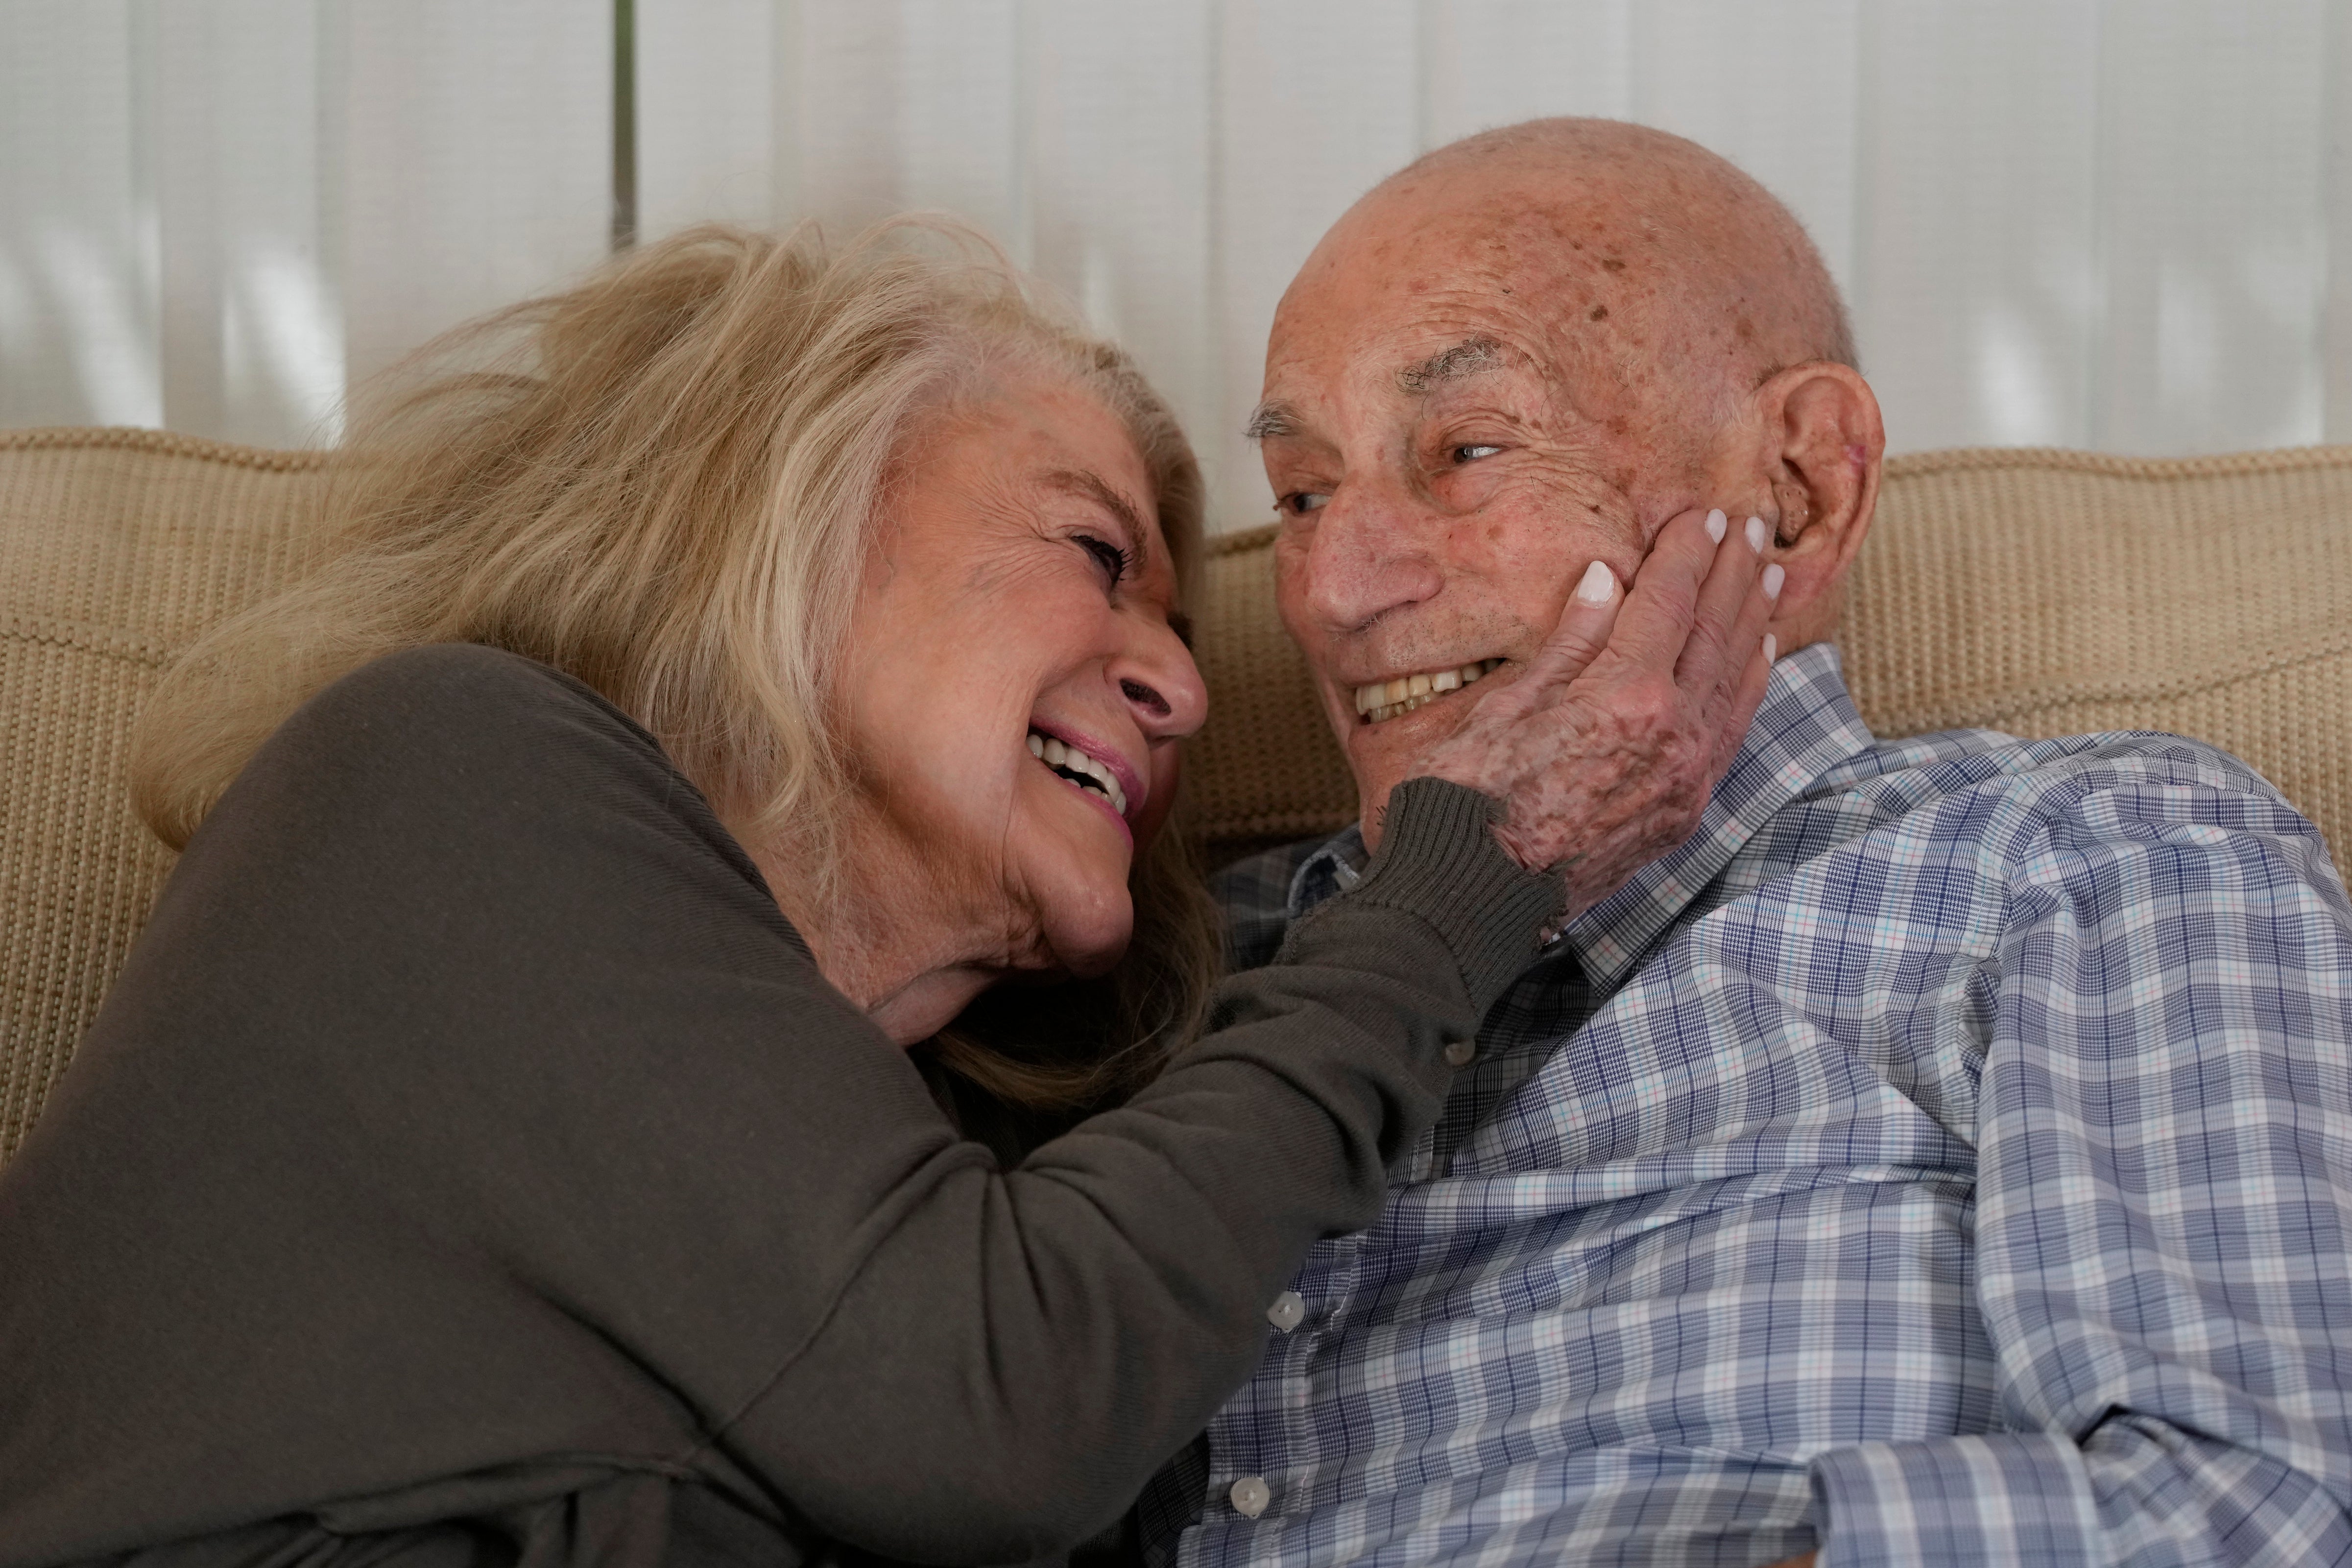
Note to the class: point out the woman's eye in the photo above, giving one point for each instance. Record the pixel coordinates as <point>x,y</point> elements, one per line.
<point>1114,561</point>
<point>1298,503</point>
<point>1471,453</point>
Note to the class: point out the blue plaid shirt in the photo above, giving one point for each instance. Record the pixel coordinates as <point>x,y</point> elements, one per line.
<point>1944,1157</point>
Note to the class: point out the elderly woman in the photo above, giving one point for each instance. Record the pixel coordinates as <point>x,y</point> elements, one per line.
<point>501,1146</point>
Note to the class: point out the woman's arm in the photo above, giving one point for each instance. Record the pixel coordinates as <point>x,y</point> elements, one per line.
<point>1019,1350</point>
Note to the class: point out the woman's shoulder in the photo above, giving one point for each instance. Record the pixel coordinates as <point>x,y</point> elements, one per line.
<point>477,750</point>
<point>479,719</point>
<point>447,687</point>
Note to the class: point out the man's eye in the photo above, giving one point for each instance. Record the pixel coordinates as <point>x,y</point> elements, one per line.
<point>1471,454</point>
<point>1298,503</point>
<point>1115,561</point>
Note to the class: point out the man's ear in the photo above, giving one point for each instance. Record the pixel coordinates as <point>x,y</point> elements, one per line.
<point>1824,443</point>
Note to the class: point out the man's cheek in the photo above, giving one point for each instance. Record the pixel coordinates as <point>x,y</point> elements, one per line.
<point>1290,589</point>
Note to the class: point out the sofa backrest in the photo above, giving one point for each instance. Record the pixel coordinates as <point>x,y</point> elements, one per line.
<point>2043,593</point>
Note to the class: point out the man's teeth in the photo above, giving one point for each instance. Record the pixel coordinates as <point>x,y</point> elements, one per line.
<point>1078,768</point>
<point>1387,698</point>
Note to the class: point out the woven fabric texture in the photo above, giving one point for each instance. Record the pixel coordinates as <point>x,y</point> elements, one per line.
<point>2042,593</point>
<point>117,547</point>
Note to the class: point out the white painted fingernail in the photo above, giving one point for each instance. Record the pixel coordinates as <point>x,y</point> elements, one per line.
<point>1756,535</point>
<point>1771,648</point>
<point>1598,586</point>
<point>1774,575</point>
<point>1716,524</point>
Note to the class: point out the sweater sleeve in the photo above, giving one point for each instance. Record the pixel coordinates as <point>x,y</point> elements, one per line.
<point>1021,1348</point>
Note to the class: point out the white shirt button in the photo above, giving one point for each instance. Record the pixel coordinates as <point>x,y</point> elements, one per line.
<point>1250,1496</point>
<point>1289,1311</point>
<point>1460,1052</point>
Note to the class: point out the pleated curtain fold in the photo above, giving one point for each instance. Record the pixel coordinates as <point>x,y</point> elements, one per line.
<point>2118,224</point>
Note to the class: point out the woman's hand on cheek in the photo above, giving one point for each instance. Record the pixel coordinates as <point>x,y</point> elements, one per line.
<point>1606,749</point>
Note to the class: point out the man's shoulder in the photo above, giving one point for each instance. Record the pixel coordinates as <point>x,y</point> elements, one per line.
<point>1253,895</point>
<point>2012,792</point>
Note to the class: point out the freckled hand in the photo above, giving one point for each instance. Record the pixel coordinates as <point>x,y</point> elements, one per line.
<point>1607,748</point>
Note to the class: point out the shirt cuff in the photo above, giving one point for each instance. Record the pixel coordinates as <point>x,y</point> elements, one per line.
<point>2009,1497</point>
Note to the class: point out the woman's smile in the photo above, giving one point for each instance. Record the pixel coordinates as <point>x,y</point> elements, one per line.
<point>1093,769</point>
<point>1015,688</point>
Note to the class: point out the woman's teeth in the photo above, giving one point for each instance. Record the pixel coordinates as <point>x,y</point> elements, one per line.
<point>1078,768</point>
<point>1387,698</point>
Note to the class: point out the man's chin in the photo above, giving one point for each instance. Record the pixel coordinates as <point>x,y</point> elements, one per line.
<point>1383,756</point>
<point>1393,748</point>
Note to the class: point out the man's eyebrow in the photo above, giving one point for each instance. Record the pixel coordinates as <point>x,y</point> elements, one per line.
<point>1272,417</point>
<point>1471,356</point>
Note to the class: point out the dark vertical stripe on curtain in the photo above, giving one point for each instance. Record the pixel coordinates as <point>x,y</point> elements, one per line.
<point>624,124</point>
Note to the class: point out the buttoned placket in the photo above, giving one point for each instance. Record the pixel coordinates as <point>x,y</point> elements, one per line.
<point>1274,1447</point>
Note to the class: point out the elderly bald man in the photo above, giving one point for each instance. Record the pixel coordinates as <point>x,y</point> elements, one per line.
<point>1946,1156</point>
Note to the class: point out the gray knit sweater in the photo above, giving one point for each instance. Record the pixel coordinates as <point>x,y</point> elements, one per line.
<point>472,1164</point>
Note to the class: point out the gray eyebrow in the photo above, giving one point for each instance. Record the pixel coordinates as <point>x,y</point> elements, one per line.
<point>1272,417</point>
<point>1471,356</point>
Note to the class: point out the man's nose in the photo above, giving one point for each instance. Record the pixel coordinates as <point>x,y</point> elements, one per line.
<point>1159,681</point>
<point>1372,552</point>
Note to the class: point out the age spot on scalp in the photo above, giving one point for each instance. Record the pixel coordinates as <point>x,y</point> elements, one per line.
<point>1612,264</point>
<point>1599,313</point>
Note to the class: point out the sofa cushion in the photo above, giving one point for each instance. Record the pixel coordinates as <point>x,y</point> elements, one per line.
<point>117,547</point>
<point>2043,593</point>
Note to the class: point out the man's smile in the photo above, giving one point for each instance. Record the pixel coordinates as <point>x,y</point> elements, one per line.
<point>1384,700</point>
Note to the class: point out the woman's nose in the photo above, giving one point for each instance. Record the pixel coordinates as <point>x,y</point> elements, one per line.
<point>1159,683</point>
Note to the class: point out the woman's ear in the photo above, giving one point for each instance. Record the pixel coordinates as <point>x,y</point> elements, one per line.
<point>1824,444</point>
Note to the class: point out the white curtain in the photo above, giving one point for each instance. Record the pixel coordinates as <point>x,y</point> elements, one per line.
<point>2123,224</point>
<point>215,214</point>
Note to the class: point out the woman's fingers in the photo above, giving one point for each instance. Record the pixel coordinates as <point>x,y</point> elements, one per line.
<point>1717,650</point>
<point>1586,622</point>
<point>1656,625</point>
<point>1605,765</point>
<point>1743,689</point>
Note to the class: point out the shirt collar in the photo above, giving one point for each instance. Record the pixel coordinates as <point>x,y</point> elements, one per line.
<point>1329,871</point>
<point>1807,725</point>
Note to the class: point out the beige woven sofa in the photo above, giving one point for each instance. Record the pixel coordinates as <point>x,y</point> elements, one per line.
<point>2042,593</point>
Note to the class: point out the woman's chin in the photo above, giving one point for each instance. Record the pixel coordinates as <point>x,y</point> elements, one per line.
<point>1090,940</point>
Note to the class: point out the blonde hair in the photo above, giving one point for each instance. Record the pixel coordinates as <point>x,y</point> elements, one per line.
<point>662,482</point>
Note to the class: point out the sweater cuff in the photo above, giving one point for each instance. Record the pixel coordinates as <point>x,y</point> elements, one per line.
<point>2009,1498</point>
<point>1439,860</point>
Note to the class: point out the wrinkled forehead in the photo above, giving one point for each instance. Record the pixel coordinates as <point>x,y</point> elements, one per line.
<point>1557,289</point>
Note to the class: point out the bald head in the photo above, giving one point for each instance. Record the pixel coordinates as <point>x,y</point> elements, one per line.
<point>1689,281</point>
<point>1526,352</point>
<point>1721,241</point>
